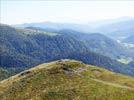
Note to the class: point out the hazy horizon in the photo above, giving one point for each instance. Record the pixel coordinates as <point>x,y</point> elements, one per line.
<point>19,12</point>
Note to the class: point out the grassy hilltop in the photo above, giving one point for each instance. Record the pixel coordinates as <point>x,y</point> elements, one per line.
<point>67,80</point>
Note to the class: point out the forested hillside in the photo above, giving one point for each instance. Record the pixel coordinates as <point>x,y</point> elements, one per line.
<point>101,44</point>
<point>29,47</point>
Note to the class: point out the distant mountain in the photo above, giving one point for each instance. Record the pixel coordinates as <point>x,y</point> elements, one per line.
<point>129,39</point>
<point>54,26</point>
<point>117,30</point>
<point>67,79</point>
<point>29,47</point>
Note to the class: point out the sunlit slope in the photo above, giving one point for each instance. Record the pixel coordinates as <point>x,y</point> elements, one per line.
<point>67,80</point>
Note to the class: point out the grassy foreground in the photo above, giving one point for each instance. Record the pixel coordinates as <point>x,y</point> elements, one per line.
<point>67,80</point>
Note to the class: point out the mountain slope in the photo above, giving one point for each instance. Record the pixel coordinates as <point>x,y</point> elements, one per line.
<point>101,44</point>
<point>7,72</point>
<point>129,39</point>
<point>23,48</point>
<point>118,30</point>
<point>15,47</point>
<point>65,80</point>
<point>28,47</point>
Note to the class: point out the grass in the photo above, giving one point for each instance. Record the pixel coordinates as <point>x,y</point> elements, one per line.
<point>67,80</point>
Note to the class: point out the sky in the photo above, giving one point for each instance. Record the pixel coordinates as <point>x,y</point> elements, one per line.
<point>27,11</point>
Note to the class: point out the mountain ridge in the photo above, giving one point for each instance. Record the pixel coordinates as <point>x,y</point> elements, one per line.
<point>67,79</point>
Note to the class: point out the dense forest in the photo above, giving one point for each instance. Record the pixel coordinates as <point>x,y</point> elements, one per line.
<point>28,47</point>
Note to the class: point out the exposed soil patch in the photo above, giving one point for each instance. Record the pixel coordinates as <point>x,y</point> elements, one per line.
<point>79,70</point>
<point>24,73</point>
<point>96,71</point>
